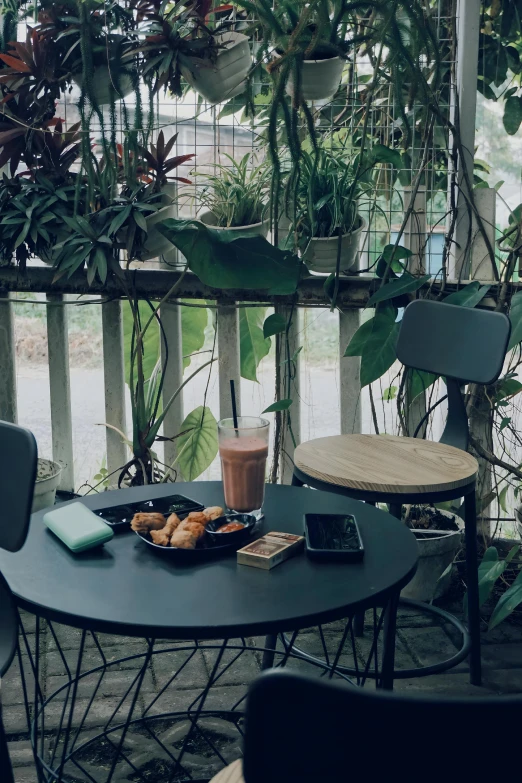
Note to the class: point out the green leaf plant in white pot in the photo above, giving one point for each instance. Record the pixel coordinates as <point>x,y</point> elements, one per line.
<point>328,222</point>
<point>234,197</point>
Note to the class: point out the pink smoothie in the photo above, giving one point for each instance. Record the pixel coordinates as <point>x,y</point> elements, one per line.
<point>243,464</point>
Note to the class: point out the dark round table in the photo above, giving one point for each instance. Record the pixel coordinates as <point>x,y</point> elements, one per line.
<point>125,588</point>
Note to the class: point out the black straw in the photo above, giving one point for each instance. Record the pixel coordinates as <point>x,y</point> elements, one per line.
<point>234,407</point>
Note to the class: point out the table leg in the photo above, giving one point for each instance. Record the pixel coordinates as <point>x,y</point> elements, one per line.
<point>358,624</point>
<point>470,514</point>
<point>388,654</point>
<point>269,651</point>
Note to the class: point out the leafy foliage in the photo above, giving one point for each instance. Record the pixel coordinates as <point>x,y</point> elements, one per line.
<point>252,343</point>
<point>236,193</point>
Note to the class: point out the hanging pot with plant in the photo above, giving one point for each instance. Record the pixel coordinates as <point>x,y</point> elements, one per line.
<point>224,76</point>
<point>235,198</point>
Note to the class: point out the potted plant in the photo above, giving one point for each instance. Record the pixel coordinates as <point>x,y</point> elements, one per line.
<point>439,538</point>
<point>179,43</point>
<point>235,198</point>
<point>328,223</point>
<point>48,474</point>
<point>305,43</point>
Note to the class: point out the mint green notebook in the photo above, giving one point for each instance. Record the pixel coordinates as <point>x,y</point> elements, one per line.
<point>77,527</point>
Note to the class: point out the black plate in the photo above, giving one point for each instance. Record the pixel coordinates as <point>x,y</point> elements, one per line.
<point>119,517</point>
<point>239,537</point>
<point>206,549</point>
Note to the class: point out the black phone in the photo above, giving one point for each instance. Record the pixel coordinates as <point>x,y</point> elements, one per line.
<point>333,537</point>
<point>119,517</point>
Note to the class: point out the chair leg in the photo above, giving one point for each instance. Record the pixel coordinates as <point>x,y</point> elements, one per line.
<point>6,771</point>
<point>470,518</point>
<point>358,624</point>
<point>296,482</point>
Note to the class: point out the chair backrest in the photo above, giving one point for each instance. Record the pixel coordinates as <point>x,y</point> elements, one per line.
<point>18,464</point>
<point>300,729</point>
<point>462,343</point>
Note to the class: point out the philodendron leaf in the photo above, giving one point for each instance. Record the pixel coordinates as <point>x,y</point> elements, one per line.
<point>198,447</point>
<point>379,351</point>
<point>281,405</point>
<point>361,336</point>
<point>515,316</point>
<point>193,324</point>
<point>512,115</point>
<point>507,603</point>
<point>274,324</point>
<point>222,260</point>
<point>469,296</point>
<point>252,345</point>
<point>404,284</point>
<point>420,381</point>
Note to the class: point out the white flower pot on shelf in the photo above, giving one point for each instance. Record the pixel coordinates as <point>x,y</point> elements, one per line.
<point>225,78</point>
<point>107,82</point>
<point>156,243</point>
<point>254,229</point>
<point>437,550</point>
<point>319,79</point>
<point>321,253</point>
<point>47,480</point>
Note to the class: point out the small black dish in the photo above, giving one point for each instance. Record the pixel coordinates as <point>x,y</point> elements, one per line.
<point>236,536</point>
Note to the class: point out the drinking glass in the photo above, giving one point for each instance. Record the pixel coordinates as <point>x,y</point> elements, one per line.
<point>244,451</point>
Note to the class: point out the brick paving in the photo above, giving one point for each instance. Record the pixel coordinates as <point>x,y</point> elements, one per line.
<point>420,641</point>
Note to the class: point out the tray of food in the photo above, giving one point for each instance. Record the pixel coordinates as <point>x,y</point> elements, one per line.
<point>198,535</point>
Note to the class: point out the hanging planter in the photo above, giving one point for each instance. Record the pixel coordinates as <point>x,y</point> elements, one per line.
<point>319,79</point>
<point>254,229</point>
<point>226,77</point>
<point>108,84</point>
<point>321,253</point>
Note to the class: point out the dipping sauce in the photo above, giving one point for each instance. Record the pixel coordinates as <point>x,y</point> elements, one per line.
<point>230,527</point>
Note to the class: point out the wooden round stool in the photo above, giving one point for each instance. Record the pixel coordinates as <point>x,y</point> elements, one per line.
<point>399,470</point>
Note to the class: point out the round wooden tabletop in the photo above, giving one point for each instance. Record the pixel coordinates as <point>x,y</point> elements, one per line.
<point>386,463</point>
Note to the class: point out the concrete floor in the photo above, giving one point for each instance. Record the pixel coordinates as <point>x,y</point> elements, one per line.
<point>419,642</point>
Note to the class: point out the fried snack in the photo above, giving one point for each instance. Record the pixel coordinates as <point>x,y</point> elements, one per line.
<point>195,516</point>
<point>196,529</point>
<point>163,536</point>
<point>145,522</point>
<point>183,539</point>
<point>213,512</point>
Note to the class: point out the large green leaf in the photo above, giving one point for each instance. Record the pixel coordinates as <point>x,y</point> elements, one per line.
<point>515,316</point>
<point>150,341</point>
<point>360,338</point>
<point>489,571</point>
<point>280,405</point>
<point>507,603</point>
<point>222,260</point>
<point>380,349</point>
<point>420,381</point>
<point>469,296</point>
<point>253,346</point>
<point>402,285</point>
<point>512,115</point>
<point>193,324</point>
<point>197,448</point>
<point>274,324</point>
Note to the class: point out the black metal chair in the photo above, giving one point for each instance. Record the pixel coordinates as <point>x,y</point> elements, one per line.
<point>18,462</point>
<point>300,729</point>
<point>464,345</point>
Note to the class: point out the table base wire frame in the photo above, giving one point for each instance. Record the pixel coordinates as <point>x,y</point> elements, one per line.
<point>157,728</point>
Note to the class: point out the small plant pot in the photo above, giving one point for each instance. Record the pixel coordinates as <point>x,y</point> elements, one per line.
<point>437,550</point>
<point>226,77</point>
<point>319,79</point>
<point>156,243</point>
<point>47,480</point>
<point>106,83</point>
<point>254,229</point>
<point>321,254</point>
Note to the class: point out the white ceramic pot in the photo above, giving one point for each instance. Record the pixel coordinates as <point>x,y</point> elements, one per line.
<point>255,229</point>
<point>321,254</point>
<point>106,82</point>
<point>319,79</point>
<point>157,244</point>
<point>437,549</point>
<point>222,80</point>
<point>47,481</point>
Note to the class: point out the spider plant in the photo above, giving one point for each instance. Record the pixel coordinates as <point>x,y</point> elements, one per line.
<point>236,194</point>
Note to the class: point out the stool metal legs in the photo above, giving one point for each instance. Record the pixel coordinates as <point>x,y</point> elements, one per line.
<point>470,518</point>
